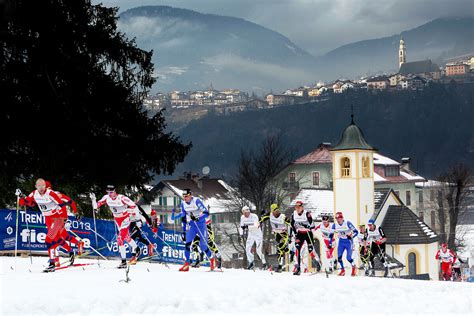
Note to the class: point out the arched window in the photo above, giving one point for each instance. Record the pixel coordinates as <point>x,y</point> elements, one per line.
<point>412,263</point>
<point>345,167</point>
<point>365,167</point>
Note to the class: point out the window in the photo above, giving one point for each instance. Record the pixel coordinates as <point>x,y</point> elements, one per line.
<point>431,195</point>
<point>162,200</point>
<point>292,177</point>
<point>345,167</point>
<point>420,197</point>
<point>316,178</point>
<point>365,167</point>
<point>176,201</point>
<point>408,198</point>
<point>433,219</point>
<point>421,215</point>
<point>392,171</point>
<point>412,263</point>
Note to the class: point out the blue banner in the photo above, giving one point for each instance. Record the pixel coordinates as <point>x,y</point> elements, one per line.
<point>32,235</point>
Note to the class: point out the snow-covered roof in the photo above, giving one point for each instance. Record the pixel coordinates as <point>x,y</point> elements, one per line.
<point>411,176</point>
<point>384,160</point>
<point>316,200</point>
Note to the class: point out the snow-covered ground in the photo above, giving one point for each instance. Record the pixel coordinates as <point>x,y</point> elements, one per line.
<point>155,289</point>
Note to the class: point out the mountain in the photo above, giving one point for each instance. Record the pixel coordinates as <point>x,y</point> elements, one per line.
<point>193,50</point>
<point>433,127</point>
<point>439,39</point>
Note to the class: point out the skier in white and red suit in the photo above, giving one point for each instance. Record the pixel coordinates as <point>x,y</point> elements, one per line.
<point>122,208</point>
<point>326,231</point>
<point>50,205</point>
<point>447,257</point>
<point>63,236</point>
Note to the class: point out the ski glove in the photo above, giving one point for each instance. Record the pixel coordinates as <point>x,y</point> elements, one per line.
<point>92,196</point>
<point>78,217</point>
<point>193,218</point>
<point>18,193</point>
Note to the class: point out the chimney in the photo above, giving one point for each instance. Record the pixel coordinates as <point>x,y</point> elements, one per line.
<point>406,163</point>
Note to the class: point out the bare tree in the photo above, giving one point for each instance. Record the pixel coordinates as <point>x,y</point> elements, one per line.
<point>451,200</point>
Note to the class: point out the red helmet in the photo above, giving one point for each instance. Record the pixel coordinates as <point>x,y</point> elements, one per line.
<point>339,215</point>
<point>444,245</point>
<point>48,184</point>
<point>299,203</point>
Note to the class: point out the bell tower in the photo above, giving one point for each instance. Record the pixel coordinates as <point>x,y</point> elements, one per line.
<point>353,175</point>
<point>402,53</point>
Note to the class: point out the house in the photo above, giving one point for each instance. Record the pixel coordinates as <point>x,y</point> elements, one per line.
<point>395,80</point>
<point>284,99</point>
<point>378,83</point>
<point>413,83</point>
<point>457,69</point>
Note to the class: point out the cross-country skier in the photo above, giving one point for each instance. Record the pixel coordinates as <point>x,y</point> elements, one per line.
<point>302,225</point>
<point>136,223</point>
<point>122,208</point>
<point>63,236</point>
<point>364,248</point>
<point>447,258</point>
<point>50,205</point>
<point>250,225</point>
<point>376,239</point>
<point>194,215</point>
<point>326,231</point>
<point>346,231</point>
<point>280,224</point>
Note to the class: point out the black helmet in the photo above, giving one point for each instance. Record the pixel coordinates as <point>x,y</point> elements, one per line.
<point>187,192</point>
<point>325,218</point>
<point>110,188</point>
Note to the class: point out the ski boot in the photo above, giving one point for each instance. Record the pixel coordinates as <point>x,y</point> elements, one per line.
<point>279,268</point>
<point>354,271</point>
<point>315,263</point>
<point>372,273</point>
<point>185,267</point>
<point>150,250</point>
<point>122,265</point>
<point>51,267</point>
<point>80,247</point>
<point>213,263</point>
<point>72,256</point>
<point>264,266</point>
<point>342,273</point>
<point>56,262</point>
<point>250,266</point>
<point>297,270</point>
<point>385,274</point>
<point>196,264</point>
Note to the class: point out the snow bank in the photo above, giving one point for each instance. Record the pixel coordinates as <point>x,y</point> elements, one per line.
<point>154,289</point>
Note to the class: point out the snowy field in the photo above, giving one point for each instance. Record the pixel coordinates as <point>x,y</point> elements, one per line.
<point>155,289</point>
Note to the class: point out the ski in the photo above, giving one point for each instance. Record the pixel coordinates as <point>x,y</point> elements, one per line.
<point>74,265</point>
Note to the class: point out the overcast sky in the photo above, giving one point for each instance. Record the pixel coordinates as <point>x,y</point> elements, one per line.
<point>321,25</point>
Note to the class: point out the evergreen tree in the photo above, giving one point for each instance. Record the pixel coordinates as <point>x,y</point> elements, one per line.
<point>72,90</point>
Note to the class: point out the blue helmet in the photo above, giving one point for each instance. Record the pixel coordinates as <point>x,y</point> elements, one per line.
<point>371,222</point>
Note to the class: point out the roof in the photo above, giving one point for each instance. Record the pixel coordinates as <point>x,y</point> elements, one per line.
<point>384,160</point>
<point>402,226</point>
<point>215,193</point>
<point>318,201</point>
<point>320,155</point>
<point>378,79</point>
<point>417,67</point>
<point>352,138</point>
<point>380,196</point>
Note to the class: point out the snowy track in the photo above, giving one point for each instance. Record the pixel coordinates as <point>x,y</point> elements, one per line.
<point>97,290</point>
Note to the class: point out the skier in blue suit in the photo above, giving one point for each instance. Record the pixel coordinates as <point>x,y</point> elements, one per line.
<point>346,231</point>
<point>194,214</point>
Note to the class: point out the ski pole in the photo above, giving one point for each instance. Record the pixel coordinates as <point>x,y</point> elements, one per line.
<point>95,231</point>
<point>16,229</point>
<point>156,250</point>
<point>29,236</point>
<point>92,248</point>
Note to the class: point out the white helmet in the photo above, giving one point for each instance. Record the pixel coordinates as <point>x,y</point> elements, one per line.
<point>245,208</point>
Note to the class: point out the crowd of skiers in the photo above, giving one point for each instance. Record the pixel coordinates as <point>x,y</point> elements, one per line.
<point>291,234</point>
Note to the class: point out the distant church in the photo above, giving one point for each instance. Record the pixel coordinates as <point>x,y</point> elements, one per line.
<point>423,68</point>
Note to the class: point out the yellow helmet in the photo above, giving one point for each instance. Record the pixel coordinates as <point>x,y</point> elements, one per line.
<point>274,207</point>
